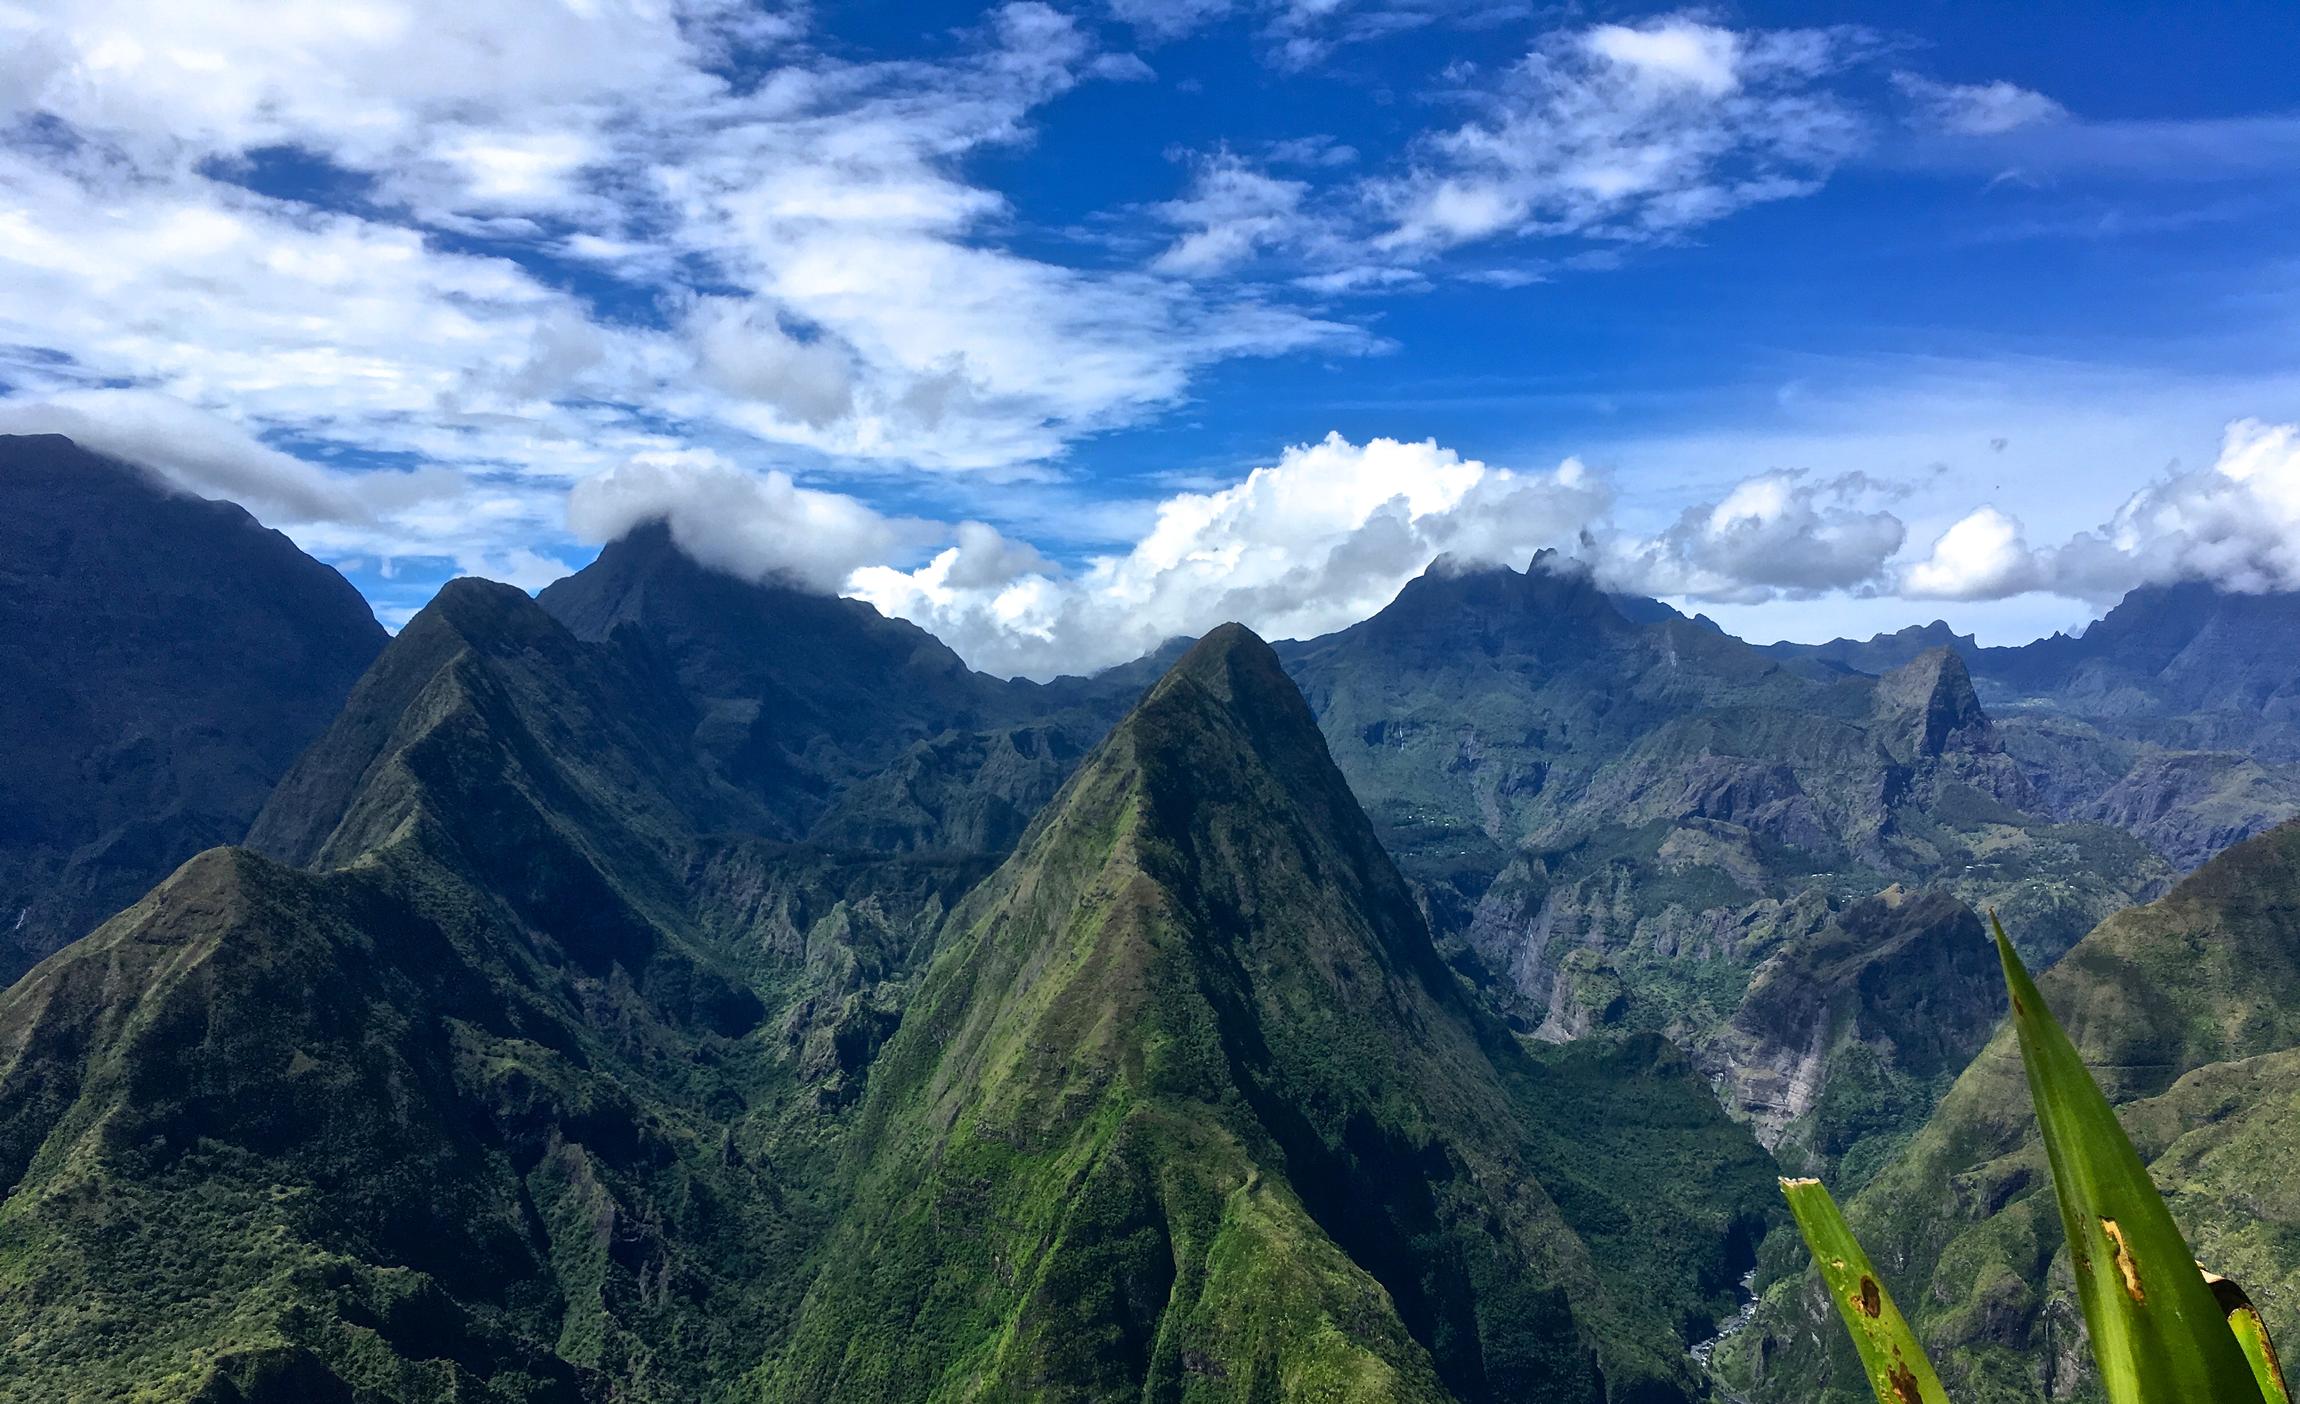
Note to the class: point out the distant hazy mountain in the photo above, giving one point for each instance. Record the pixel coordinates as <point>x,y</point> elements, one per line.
<point>2175,717</point>
<point>2188,1011</point>
<point>165,658</point>
<point>1631,805</point>
<point>842,724</point>
<point>1188,1106</point>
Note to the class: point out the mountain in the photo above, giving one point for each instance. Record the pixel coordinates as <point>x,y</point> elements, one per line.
<point>849,728</point>
<point>2188,1012</point>
<point>1850,1032</point>
<point>1613,820</point>
<point>538,1080</point>
<point>167,658</point>
<point>2176,716</point>
<point>1188,1106</point>
<point>1879,653</point>
<point>524,1083</point>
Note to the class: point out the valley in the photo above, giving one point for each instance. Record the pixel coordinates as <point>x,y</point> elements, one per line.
<point>672,986</point>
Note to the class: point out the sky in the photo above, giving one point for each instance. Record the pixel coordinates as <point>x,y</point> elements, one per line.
<point>1064,328</point>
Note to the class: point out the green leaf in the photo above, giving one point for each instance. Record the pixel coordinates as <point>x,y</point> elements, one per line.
<point>1898,1370</point>
<point>2157,1332</point>
<point>2251,1335</point>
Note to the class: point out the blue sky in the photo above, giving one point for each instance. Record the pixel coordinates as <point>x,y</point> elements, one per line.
<point>1060,328</point>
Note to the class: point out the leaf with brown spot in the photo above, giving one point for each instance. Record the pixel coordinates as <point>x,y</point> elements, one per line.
<point>2251,1335</point>
<point>2157,1333</point>
<point>1896,1365</point>
<point>2124,1267</point>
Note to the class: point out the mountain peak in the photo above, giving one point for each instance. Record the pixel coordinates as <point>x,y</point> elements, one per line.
<point>1196,1014</point>
<point>1236,666</point>
<point>1932,696</point>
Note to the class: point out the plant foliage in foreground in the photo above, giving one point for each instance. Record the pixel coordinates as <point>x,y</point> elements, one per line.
<point>2163,1330</point>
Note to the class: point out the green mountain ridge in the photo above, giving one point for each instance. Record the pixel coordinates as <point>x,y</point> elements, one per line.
<point>541,1083</point>
<point>683,988</point>
<point>1188,1108</point>
<point>526,1087</point>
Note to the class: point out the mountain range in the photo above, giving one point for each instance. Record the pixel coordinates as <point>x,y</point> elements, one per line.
<point>682,987</point>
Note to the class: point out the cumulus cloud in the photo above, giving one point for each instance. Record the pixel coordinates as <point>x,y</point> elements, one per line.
<point>1777,534</point>
<point>1630,130</point>
<point>2235,525</point>
<point>1313,542</point>
<point>1976,109</point>
<point>1982,556</point>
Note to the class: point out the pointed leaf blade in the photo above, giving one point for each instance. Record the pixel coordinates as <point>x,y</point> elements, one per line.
<point>2157,1333</point>
<point>1896,1364</point>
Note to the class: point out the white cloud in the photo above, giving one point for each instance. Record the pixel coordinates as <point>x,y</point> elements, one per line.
<point>1981,556</point>
<point>1977,109</point>
<point>2235,524</point>
<point>1773,535</point>
<point>859,305</point>
<point>1318,540</point>
<point>213,457</point>
<point>1232,212</point>
<point>756,525</point>
<point>1630,131</point>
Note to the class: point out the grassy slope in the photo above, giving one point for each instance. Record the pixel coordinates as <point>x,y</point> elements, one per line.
<point>1189,1108</point>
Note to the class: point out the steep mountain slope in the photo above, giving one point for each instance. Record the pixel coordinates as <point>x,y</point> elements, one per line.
<point>165,659</point>
<point>538,1084</point>
<point>1188,1107</point>
<point>1617,819</point>
<point>526,1087</point>
<point>2188,1012</point>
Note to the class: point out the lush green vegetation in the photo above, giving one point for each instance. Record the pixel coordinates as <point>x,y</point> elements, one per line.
<point>1188,1098</point>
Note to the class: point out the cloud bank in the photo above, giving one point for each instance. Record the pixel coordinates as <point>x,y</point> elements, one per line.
<point>1328,533</point>
<point>2235,524</point>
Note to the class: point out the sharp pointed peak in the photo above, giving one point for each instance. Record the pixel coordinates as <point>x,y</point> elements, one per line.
<point>1934,690</point>
<point>1244,674</point>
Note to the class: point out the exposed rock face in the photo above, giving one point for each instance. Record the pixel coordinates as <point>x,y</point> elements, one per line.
<point>1559,777</point>
<point>165,659</point>
<point>1849,1031</point>
<point>1927,708</point>
<point>2189,805</point>
<point>2176,682</point>
<point>1929,717</point>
